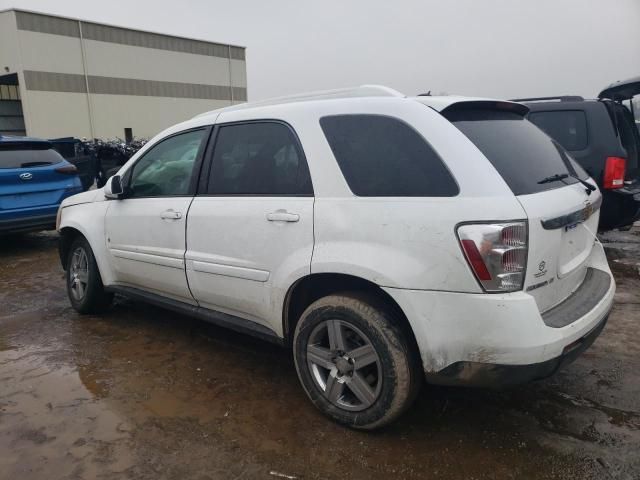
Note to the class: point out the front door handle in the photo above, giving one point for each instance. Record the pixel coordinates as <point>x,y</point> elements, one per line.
<point>282,216</point>
<point>170,215</point>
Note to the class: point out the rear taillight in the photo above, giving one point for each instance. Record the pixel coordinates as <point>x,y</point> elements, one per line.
<point>497,254</point>
<point>67,170</point>
<point>614,171</point>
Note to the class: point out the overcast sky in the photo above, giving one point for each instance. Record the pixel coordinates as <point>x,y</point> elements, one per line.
<point>495,48</point>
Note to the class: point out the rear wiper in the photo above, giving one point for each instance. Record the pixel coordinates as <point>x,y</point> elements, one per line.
<point>589,187</point>
<point>554,178</point>
<point>563,176</point>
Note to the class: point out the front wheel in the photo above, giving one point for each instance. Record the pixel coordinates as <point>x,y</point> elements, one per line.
<point>355,362</point>
<point>84,285</point>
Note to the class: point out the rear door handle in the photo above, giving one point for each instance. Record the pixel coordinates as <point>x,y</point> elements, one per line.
<point>282,216</point>
<point>171,215</point>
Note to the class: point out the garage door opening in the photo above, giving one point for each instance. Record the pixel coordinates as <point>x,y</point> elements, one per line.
<point>11,116</point>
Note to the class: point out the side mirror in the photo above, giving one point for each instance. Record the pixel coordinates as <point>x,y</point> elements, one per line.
<point>113,188</point>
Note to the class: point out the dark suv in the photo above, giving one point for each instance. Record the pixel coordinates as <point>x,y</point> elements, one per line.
<point>601,135</point>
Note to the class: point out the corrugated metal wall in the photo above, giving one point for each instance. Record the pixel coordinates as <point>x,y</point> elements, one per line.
<point>115,78</point>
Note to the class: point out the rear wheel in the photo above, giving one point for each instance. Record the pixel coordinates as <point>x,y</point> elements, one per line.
<point>355,362</point>
<point>84,285</point>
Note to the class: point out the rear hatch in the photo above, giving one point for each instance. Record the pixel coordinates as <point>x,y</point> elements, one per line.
<point>32,175</point>
<point>622,90</point>
<point>562,216</point>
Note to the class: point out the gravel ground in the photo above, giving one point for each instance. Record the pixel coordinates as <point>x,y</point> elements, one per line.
<point>144,393</point>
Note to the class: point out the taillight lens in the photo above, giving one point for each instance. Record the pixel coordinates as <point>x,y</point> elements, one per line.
<point>614,171</point>
<point>497,254</point>
<point>67,170</point>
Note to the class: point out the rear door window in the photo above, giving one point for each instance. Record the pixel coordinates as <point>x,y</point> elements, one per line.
<point>12,156</point>
<point>258,158</point>
<point>382,156</point>
<point>567,127</point>
<point>521,153</point>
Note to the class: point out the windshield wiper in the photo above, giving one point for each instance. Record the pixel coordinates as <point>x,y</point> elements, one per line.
<point>558,177</point>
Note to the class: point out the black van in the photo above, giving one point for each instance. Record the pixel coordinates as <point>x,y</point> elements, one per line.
<point>602,136</point>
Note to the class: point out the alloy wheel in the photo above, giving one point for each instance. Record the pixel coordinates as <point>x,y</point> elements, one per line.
<point>344,365</point>
<point>79,273</point>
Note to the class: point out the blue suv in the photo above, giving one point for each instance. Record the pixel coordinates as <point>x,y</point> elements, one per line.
<point>34,179</point>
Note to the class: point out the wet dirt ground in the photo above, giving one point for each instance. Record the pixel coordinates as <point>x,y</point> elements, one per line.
<point>142,393</point>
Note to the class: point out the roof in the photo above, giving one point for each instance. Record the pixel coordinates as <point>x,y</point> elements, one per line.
<point>438,103</point>
<point>117,26</point>
<point>362,91</point>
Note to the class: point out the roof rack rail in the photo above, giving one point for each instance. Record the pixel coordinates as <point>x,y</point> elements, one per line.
<point>561,98</point>
<point>351,92</point>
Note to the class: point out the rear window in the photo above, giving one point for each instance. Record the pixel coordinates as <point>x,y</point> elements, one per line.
<point>521,153</point>
<point>25,156</point>
<point>384,157</point>
<point>567,127</point>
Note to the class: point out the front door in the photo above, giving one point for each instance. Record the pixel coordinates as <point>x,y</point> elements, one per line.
<point>145,231</point>
<point>251,233</point>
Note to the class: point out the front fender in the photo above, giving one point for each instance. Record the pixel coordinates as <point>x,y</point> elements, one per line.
<point>88,220</point>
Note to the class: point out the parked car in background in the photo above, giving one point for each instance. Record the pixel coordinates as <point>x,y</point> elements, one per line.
<point>113,154</point>
<point>384,238</point>
<point>600,134</point>
<point>34,179</point>
<point>78,153</point>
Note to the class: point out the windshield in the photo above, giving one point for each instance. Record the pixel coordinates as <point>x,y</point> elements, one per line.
<point>523,155</point>
<point>25,157</point>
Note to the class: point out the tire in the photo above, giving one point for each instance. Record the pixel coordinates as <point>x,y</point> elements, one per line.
<point>374,349</point>
<point>84,285</point>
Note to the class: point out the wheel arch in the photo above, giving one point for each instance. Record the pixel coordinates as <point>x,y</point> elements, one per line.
<point>67,236</point>
<point>310,288</point>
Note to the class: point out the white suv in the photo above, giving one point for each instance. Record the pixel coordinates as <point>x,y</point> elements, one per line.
<point>384,238</point>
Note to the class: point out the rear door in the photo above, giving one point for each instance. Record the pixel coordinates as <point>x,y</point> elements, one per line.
<point>250,232</point>
<point>563,217</point>
<point>145,231</point>
<point>33,180</point>
<point>625,121</point>
<point>629,138</point>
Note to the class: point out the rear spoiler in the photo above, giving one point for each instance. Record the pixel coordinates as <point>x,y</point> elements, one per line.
<point>507,106</point>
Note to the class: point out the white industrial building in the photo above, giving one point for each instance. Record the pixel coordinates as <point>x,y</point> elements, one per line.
<point>65,77</point>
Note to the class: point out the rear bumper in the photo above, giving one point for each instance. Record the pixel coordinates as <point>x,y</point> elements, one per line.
<point>28,224</point>
<point>34,218</point>
<point>504,375</point>
<point>502,339</point>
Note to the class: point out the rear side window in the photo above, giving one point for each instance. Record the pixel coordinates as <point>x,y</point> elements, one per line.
<point>567,127</point>
<point>261,158</point>
<point>13,156</point>
<point>384,157</point>
<point>521,153</point>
